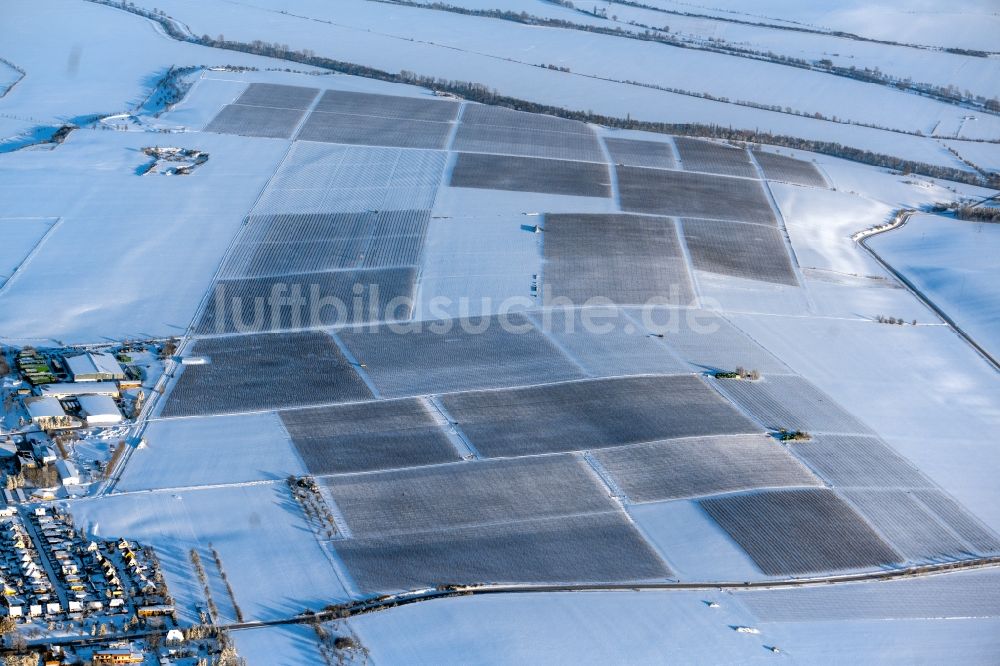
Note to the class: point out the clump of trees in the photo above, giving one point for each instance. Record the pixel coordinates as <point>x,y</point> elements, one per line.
<point>203,578</point>
<point>739,373</point>
<point>225,580</point>
<point>893,320</point>
<point>978,213</point>
<point>793,435</point>
<point>479,92</point>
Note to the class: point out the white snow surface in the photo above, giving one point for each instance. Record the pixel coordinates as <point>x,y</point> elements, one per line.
<point>953,263</point>
<point>230,450</point>
<point>273,561</point>
<point>507,55</point>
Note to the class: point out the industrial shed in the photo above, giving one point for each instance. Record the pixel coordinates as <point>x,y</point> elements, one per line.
<point>99,410</point>
<point>67,389</point>
<point>47,412</point>
<point>95,367</point>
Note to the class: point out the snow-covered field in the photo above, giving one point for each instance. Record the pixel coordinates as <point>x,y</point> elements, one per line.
<point>507,56</point>
<point>952,262</point>
<point>93,252</point>
<point>274,563</point>
<point>132,256</point>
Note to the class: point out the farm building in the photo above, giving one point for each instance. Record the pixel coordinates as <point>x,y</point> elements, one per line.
<point>117,656</point>
<point>47,413</point>
<point>13,606</point>
<point>66,390</point>
<point>99,410</point>
<point>68,473</point>
<point>95,367</point>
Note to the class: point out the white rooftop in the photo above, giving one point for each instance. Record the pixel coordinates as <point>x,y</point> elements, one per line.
<point>68,472</point>
<point>100,409</point>
<point>94,363</point>
<point>78,388</point>
<point>44,407</point>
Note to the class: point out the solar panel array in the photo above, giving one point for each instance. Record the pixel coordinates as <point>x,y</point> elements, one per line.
<point>574,416</point>
<point>596,548</point>
<point>470,520</point>
<point>907,525</point>
<point>260,372</point>
<point>707,340</point>
<point>327,178</point>
<point>368,436</point>
<point>606,342</point>
<point>454,355</point>
<point>662,192</point>
<point>467,494</point>
<point>736,249</point>
<point>277,96</point>
<point>374,131</point>
<point>631,152</point>
<point>502,449</point>
<point>792,403</point>
<point>801,531</point>
<point>852,461</point>
<point>701,466</point>
<point>311,242</point>
<point>387,106</point>
<point>712,157</point>
<point>529,174</point>
<point>308,300</point>
<point>789,169</point>
<point>264,110</point>
<point>484,130</point>
<point>624,259</point>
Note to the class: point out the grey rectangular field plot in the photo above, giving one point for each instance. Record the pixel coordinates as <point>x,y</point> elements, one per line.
<point>531,174</point>
<point>735,249</point>
<point>528,142</point>
<point>955,516</point>
<point>387,106</point>
<point>595,548</point>
<point>661,192</point>
<point>259,372</point>
<point>444,356</point>
<point>374,131</point>
<point>858,462</point>
<point>787,532</point>
<point>607,343</point>
<point>791,403</point>
<point>259,121</point>
<point>482,114</point>
<point>627,259</point>
<point>302,243</point>
<point>702,466</point>
<point>592,414</point>
<point>368,436</point>
<point>652,154</point>
<point>711,157</point>
<point>307,300</point>
<point>707,340</point>
<point>789,169</point>
<point>467,494</point>
<point>911,529</point>
<point>278,96</point>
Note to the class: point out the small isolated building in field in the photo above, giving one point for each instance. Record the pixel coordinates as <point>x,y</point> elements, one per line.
<point>99,410</point>
<point>47,413</point>
<point>95,367</point>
